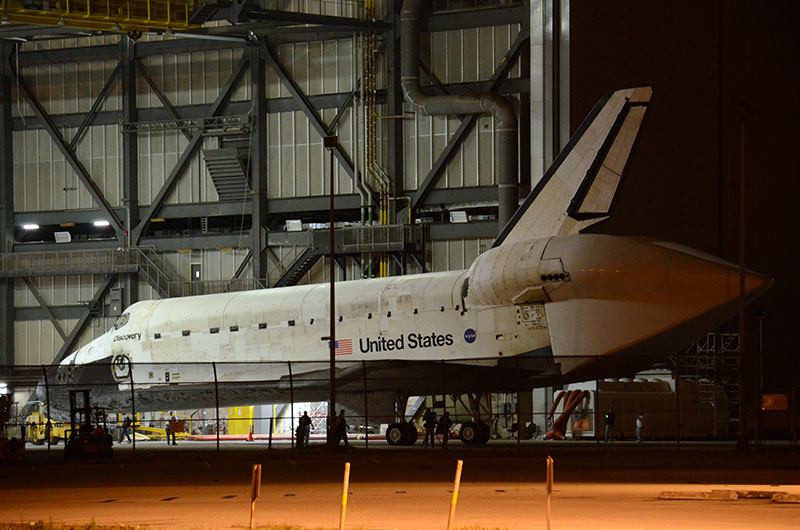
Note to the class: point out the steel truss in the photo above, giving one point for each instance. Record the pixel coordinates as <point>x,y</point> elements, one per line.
<point>257,32</point>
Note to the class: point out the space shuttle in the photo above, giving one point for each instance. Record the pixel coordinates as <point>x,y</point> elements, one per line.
<point>545,305</point>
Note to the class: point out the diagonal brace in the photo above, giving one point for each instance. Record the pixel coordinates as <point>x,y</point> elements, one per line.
<point>268,53</point>
<point>71,158</point>
<point>88,119</point>
<point>219,104</point>
<point>171,110</point>
<point>76,332</point>
<point>45,307</point>
<point>500,74</point>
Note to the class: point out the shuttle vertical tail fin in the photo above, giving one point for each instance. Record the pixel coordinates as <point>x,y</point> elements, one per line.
<point>578,189</point>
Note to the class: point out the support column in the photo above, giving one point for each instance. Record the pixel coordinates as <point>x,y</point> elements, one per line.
<point>524,412</point>
<point>394,104</point>
<point>130,162</point>
<point>258,166</point>
<point>6,209</point>
<point>549,82</point>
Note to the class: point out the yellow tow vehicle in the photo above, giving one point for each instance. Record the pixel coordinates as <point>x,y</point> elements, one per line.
<point>36,428</point>
<point>157,433</point>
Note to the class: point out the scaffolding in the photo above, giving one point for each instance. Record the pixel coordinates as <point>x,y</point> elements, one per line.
<point>713,363</point>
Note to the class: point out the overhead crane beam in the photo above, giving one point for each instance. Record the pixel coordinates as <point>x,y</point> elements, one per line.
<point>129,16</point>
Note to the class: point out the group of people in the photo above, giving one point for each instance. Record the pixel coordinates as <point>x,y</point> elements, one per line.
<point>433,427</point>
<point>337,426</point>
<point>611,421</point>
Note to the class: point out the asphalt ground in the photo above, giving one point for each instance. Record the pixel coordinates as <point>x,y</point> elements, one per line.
<point>192,485</point>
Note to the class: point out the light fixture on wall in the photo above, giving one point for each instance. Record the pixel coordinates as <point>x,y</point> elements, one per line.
<point>101,222</point>
<point>30,226</point>
<point>458,216</point>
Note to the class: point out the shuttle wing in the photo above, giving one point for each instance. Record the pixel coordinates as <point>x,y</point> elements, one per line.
<point>578,189</point>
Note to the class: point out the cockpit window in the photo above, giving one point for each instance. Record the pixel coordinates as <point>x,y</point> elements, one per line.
<point>122,320</point>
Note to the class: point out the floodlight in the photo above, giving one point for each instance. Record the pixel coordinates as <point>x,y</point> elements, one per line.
<point>101,222</point>
<point>30,226</point>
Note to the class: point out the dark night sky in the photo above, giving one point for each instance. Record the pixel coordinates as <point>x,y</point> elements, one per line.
<point>706,61</point>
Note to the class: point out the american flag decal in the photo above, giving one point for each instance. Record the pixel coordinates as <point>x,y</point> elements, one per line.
<point>343,347</point>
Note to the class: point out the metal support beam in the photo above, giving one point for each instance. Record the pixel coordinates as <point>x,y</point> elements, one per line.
<point>171,110</point>
<point>239,108</point>
<point>71,158</point>
<point>63,312</point>
<point>130,161</point>
<point>89,118</point>
<point>258,166</point>
<point>271,56</point>
<point>466,126</point>
<point>190,151</point>
<point>346,105</point>
<point>394,104</point>
<point>6,206</point>
<point>297,18</point>
<point>45,307</point>
<point>76,332</point>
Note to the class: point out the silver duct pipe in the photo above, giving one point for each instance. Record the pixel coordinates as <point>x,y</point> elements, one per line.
<point>499,107</point>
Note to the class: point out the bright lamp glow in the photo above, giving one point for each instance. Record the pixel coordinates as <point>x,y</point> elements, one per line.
<point>102,222</point>
<point>3,388</point>
<point>30,226</point>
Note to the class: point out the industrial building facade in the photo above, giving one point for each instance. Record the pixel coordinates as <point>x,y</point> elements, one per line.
<point>178,164</point>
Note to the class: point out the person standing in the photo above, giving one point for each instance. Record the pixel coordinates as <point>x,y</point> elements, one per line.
<point>611,419</point>
<point>429,423</point>
<point>304,430</point>
<point>341,428</point>
<point>171,426</point>
<point>126,424</point>
<point>639,426</point>
<point>444,427</point>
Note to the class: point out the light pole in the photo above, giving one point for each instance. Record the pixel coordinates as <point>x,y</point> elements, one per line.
<point>330,143</point>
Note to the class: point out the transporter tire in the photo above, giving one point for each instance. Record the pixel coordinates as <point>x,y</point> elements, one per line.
<point>396,434</point>
<point>412,435</point>
<point>469,433</point>
<point>484,433</point>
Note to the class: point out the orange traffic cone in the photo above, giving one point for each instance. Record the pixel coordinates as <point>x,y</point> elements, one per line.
<point>250,434</point>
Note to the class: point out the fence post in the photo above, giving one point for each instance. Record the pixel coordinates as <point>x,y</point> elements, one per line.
<point>133,405</point>
<point>216,396</point>
<point>345,487</point>
<point>47,397</point>
<point>519,420</point>
<point>549,487</point>
<point>366,406</point>
<point>291,400</point>
<point>444,389</point>
<point>454,500</point>
<point>678,399</point>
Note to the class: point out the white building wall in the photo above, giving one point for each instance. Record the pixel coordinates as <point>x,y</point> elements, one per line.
<point>452,57</point>
<point>297,162</point>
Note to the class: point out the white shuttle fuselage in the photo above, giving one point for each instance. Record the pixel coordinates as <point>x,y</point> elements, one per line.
<point>545,305</point>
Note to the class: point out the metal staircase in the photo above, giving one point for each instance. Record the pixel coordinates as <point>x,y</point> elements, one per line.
<point>158,273</point>
<point>228,173</point>
<point>301,266</point>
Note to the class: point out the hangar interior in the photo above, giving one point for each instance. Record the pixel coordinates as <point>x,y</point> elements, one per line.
<point>185,155</point>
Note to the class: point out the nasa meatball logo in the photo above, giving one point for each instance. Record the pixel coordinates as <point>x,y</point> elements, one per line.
<point>121,367</point>
<point>470,336</point>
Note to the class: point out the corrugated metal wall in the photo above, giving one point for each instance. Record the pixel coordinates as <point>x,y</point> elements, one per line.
<point>297,161</point>
<point>37,342</point>
<point>426,136</point>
